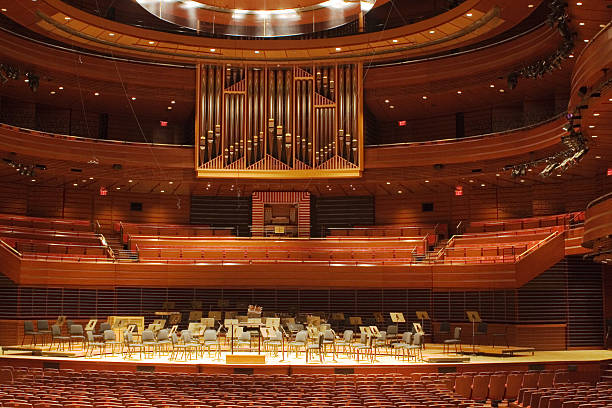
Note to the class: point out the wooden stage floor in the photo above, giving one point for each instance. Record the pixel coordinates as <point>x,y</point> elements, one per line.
<point>589,361</point>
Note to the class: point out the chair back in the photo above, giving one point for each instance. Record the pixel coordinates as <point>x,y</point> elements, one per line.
<point>105,326</point>
<point>407,337</point>
<point>348,336</point>
<point>210,335</point>
<point>457,335</point>
<point>28,326</point>
<point>418,339</point>
<point>245,336</point>
<point>277,336</point>
<point>483,327</point>
<point>186,336</point>
<point>301,336</point>
<point>174,338</point>
<point>76,329</point>
<point>162,335</point>
<point>148,335</point>
<point>329,334</point>
<point>392,330</point>
<point>109,335</point>
<point>42,325</point>
<point>56,330</point>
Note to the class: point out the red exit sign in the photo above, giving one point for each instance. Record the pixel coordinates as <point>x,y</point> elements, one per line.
<point>401,123</point>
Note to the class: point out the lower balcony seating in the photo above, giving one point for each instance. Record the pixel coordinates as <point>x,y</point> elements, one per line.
<point>59,224</point>
<point>131,229</point>
<point>514,224</point>
<point>52,388</point>
<point>267,250</point>
<point>497,247</point>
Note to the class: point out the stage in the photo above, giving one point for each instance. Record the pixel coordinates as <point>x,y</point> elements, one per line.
<point>583,365</point>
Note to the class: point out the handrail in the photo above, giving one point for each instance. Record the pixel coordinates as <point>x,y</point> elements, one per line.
<point>44,232</point>
<point>512,221</point>
<point>511,233</point>
<point>10,248</point>
<point>538,245</point>
<point>599,200</point>
<point>109,250</point>
<point>471,138</point>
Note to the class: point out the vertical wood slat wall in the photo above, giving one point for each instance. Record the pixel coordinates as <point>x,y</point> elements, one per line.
<point>569,293</point>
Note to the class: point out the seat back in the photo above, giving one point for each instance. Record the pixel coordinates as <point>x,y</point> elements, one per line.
<point>76,330</point>
<point>513,385</point>
<point>186,336</point>
<point>28,326</point>
<point>480,387</point>
<point>497,386</point>
<point>457,333</point>
<point>109,335</point>
<point>162,335</point>
<point>42,325</point>
<point>407,337</point>
<point>348,336</point>
<point>463,385</point>
<point>301,336</point>
<point>90,337</point>
<point>148,335</point>
<point>56,330</point>
<point>210,335</point>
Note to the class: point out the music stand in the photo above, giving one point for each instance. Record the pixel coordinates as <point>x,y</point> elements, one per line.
<point>91,325</point>
<point>422,315</point>
<point>355,321</point>
<point>208,322</point>
<point>474,317</point>
<point>195,315</point>
<point>397,317</point>
<point>273,322</point>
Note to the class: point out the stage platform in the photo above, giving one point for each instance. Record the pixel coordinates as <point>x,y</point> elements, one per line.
<point>585,364</point>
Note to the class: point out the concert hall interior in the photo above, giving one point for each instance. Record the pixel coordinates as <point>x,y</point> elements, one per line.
<point>305,203</point>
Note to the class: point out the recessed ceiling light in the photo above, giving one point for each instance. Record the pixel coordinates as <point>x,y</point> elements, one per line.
<point>399,191</point>
<point>26,80</point>
<point>558,175</point>
<point>213,49</point>
<point>459,92</point>
<point>469,14</point>
<point>111,34</point>
<point>427,181</point>
<point>594,136</point>
<point>52,92</point>
<point>386,101</point>
<point>91,178</point>
<point>471,181</point>
<point>388,182</point>
<point>596,114</point>
<point>502,91</point>
<point>129,181</point>
<point>497,174</point>
<point>60,88</point>
<point>171,182</point>
<point>151,42</point>
<point>530,5</point>
<point>84,181</point>
<point>591,126</point>
<point>173,102</point>
<point>586,41</point>
<point>133,98</point>
<point>431,31</point>
<point>424,97</point>
<point>482,185</point>
<point>162,191</point>
<point>394,41</point>
<point>75,184</point>
<point>571,55</point>
<point>581,24</point>
<point>118,188</point>
<point>491,86</point>
<point>33,179</point>
<point>338,49</point>
<point>579,3</point>
<point>522,181</point>
<point>602,26</point>
<point>97,94</point>
<point>392,107</point>
<point>256,52</point>
<point>598,157</point>
<point>4,9</point>
<point>66,18</point>
<point>169,107</point>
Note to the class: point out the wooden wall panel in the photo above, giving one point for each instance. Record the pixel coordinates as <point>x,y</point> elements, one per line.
<point>13,198</point>
<point>78,204</point>
<point>45,201</point>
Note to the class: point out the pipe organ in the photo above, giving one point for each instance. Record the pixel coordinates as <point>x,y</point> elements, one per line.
<point>283,121</point>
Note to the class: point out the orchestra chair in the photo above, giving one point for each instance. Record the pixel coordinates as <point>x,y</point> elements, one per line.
<point>316,346</point>
<point>130,345</point>
<point>456,340</point>
<point>301,340</point>
<point>92,344</point>
<point>76,335</point>
<point>28,330</point>
<point>406,340</point>
<point>56,336</point>
<point>148,341</point>
<point>42,326</point>
<point>345,342</point>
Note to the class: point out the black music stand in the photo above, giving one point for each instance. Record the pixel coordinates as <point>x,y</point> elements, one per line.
<point>474,317</point>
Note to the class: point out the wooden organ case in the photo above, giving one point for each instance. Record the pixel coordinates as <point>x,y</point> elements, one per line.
<point>279,122</point>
